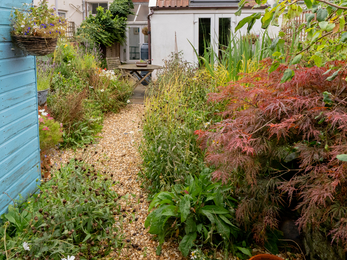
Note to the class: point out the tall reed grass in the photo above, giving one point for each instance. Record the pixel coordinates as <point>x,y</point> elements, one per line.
<point>242,55</point>
<point>176,108</point>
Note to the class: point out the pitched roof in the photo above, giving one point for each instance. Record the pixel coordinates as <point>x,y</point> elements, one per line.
<point>172,3</point>
<point>186,3</point>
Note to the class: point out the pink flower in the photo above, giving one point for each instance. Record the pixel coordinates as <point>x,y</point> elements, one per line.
<point>61,124</point>
<point>41,119</point>
<point>50,118</point>
<point>186,192</point>
<point>45,129</point>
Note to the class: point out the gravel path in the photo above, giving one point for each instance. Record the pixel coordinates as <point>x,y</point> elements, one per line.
<point>116,155</point>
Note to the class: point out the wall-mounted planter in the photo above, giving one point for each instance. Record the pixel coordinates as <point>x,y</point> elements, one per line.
<point>266,257</point>
<point>34,45</point>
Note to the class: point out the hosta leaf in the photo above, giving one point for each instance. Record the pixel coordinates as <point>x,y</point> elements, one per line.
<point>187,243</point>
<point>342,157</point>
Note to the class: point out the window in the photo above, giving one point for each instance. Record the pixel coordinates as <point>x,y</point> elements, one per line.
<point>62,14</point>
<point>96,5</point>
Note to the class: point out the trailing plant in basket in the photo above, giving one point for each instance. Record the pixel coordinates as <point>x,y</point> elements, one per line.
<point>39,21</point>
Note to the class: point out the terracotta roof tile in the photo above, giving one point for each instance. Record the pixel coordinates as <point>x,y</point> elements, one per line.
<point>172,3</point>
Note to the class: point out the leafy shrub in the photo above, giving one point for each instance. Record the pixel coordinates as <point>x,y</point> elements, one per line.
<point>200,212</point>
<point>72,215</point>
<point>278,144</point>
<point>50,131</point>
<point>176,108</point>
<point>107,26</point>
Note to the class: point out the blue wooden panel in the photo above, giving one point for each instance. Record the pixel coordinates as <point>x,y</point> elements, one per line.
<point>7,50</point>
<point>19,156</point>
<point>10,66</point>
<point>19,134</point>
<point>17,95</point>
<point>10,82</point>
<point>9,131</point>
<point>13,3</point>
<point>5,33</point>
<point>9,148</point>
<point>4,16</point>
<point>13,176</point>
<point>26,184</point>
<point>15,112</point>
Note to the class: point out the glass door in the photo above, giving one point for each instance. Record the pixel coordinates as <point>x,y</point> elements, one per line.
<point>134,43</point>
<point>135,40</point>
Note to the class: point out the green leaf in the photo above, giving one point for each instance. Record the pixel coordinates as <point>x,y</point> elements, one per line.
<point>326,26</point>
<point>243,22</point>
<point>308,3</point>
<point>342,22</point>
<point>245,251</point>
<point>215,209</point>
<point>187,243</point>
<point>170,211</point>
<point>333,76</point>
<point>287,75</point>
<point>274,43</point>
<point>241,5</point>
<point>342,157</point>
<point>296,59</point>
<point>208,214</point>
<point>323,25</point>
<point>322,14</point>
<point>222,228</point>
<point>343,37</point>
<point>190,225</point>
<point>317,60</point>
<point>266,20</point>
<point>309,17</point>
<point>184,207</point>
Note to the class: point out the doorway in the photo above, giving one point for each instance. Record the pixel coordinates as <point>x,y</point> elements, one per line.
<point>135,39</point>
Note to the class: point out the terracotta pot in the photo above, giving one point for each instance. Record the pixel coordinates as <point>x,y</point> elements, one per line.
<point>266,257</point>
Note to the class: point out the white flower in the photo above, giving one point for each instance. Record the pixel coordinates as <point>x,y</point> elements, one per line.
<point>39,116</point>
<point>26,246</point>
<point>102,90</point>
<point>69,258</point>
<point>128,101</point>
<point>44,113</point>
<point>22,26</point>
<point>91,86</point>
<point>42,110</point>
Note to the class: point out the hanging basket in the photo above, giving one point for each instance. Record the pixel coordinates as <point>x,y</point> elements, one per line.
<point>34,45</point>
<point>266,257</point>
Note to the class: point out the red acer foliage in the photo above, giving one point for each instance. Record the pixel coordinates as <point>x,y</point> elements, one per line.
<point>278,144</point>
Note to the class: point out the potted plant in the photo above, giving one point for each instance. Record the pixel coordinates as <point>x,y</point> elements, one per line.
<point>36,29</point>
<point>141,63</point>
<point>44,71</point>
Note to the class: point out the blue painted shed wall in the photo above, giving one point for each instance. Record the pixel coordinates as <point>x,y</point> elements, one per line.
<point>19,131</point>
